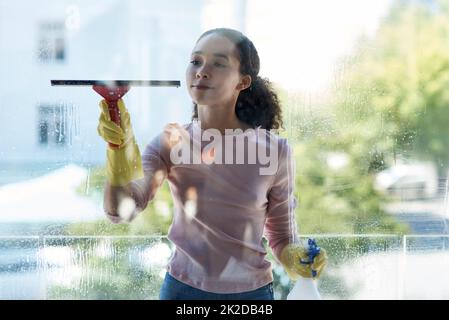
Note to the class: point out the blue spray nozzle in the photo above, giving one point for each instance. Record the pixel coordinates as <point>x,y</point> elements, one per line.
<point>313,251</point>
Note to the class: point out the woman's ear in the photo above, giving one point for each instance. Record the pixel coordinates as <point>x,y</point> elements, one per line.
<point>245,83</point>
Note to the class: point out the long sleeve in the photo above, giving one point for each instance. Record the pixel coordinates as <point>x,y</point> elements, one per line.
<point>280,225</point>
<point>155,163</point>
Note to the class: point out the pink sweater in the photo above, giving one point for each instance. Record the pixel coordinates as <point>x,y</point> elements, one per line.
<point>222,211</point>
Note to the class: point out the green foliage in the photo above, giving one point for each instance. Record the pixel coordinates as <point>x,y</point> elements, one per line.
<point>398,81</point>
<point>389,100</point>
<point>337,200</point>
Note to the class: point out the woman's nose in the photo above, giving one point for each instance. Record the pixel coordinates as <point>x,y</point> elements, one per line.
<point>202,73</point>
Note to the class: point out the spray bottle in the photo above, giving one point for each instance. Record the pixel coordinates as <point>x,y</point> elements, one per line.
<point>306,288</point>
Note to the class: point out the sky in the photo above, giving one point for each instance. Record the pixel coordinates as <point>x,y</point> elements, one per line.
<point>299,41</point>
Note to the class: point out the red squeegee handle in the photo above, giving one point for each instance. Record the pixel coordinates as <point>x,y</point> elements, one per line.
<point>112,95</point>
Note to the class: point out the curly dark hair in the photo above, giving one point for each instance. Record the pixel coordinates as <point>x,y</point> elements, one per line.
<point>257,105</point>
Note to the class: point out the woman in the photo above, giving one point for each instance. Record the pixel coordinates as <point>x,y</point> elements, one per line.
<point>223,206</point>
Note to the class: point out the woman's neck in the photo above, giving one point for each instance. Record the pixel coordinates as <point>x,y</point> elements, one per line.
<point>219,118</point>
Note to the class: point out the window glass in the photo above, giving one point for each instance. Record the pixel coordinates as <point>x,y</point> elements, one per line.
<point>363,88</point>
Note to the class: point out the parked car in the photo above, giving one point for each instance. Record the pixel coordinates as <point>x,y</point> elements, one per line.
<point>409,181</point>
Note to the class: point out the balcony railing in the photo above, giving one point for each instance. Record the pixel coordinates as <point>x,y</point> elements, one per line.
<point>132,267</point>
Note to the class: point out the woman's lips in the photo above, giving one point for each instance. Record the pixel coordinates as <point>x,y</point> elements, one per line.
<point>201,87</point>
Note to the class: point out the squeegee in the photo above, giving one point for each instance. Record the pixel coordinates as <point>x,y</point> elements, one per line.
<point>113,90</point>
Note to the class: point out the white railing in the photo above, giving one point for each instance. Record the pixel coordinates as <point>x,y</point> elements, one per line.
<point>369,266</point>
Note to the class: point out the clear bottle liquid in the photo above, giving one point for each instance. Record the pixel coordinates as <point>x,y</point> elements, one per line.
<point>304,289</point>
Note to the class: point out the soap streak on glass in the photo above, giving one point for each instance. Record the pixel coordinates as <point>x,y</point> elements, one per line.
<point>446,213</point>
<point>67,119</point>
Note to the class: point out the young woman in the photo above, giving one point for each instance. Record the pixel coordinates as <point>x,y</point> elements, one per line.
<point>225,200</point>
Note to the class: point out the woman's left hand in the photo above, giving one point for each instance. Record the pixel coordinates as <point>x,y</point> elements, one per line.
<point>293,258</point>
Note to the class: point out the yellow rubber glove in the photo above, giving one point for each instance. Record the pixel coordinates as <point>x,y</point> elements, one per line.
<point>124,163</point>
<point>291,257</point>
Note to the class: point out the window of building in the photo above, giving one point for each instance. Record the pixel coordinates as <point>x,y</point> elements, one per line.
<point>52,125</point>
<point>51,42</point>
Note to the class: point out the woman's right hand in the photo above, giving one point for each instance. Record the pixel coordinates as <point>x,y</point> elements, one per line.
<point>109,130</point>
<point>124,163</point>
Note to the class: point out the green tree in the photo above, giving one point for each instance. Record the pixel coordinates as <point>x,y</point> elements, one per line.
<point>397,81</point>
<point>334,199</point>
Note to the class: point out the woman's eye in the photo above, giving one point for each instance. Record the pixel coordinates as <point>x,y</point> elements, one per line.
<point>197,63</point>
